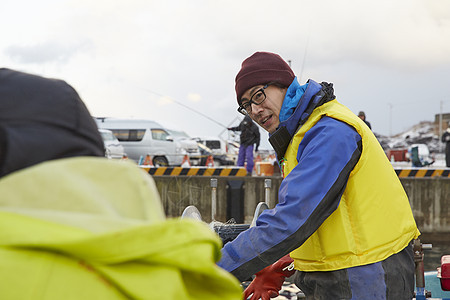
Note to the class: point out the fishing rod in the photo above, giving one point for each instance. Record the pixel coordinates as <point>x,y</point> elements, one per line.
<point>185,106</point>
<point>304,58</point>
<point>193,110</point>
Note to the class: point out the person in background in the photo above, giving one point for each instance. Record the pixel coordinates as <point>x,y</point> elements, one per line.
<point>446,139</point>
<point>249,136</point>
<point>362,116</point>
<point>76,225</point>
<point>343,223</point>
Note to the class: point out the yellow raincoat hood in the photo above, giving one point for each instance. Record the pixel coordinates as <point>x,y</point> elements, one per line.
<point>90,228</point>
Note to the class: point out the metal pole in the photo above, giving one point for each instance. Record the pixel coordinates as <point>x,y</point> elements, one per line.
<point>390,119</point>
<point>418,248</point>
<point>267,186</point>
<point>440,128</point>
<point>213,198</point>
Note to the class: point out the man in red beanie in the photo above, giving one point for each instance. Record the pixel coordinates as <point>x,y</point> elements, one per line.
<point>343,220</point>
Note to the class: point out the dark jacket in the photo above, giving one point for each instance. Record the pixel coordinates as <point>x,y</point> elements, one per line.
<point>42,119</point>
<point>368,124</point>
<point>446,137</point>
<point>249,132</point>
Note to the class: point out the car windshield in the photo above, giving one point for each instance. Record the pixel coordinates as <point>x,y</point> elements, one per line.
<point>213,144</point>
<point>204,148</point>
<point>179,134</point>
<point>107,135</point>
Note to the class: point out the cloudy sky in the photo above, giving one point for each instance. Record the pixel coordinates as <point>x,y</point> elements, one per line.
<point>175,61</point>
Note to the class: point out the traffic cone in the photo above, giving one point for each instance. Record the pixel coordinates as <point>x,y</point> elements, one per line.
<point>186,162</point>
<point>148,161</point>
<point>209,161</point>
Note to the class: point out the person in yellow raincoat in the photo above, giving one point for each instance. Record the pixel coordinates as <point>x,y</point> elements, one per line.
<point>75,225</point>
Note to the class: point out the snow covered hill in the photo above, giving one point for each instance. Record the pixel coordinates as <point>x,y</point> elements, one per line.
<point>422,133</point>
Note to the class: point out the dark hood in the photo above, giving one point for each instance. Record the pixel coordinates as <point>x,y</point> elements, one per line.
<point>42,119</point>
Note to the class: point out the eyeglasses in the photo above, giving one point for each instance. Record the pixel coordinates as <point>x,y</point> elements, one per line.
<point>257,98</point>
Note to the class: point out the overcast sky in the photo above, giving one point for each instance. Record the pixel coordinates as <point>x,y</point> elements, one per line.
<point>175,61</point>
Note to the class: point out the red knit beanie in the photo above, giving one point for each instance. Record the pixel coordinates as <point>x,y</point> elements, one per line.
<point>262,68</point>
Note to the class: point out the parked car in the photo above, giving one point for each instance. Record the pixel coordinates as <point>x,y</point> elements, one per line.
<point>205,152</point>
<point>224,152</point>
<point>217,145</point>
<point>113,148</point>
<point>140,138</point>
<point>186,144</point>
<point>233,148</point>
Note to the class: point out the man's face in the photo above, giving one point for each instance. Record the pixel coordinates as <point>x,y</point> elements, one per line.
<point>267,113</point>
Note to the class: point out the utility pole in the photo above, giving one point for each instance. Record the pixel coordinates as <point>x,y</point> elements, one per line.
<point>390,119</point>
<point>440,127</point>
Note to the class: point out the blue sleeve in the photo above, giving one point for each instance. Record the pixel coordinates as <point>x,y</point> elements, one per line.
<point>307,196</point>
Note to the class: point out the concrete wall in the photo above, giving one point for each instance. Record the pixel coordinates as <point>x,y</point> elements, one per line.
<point>430,202</point>
<point>429,197</point>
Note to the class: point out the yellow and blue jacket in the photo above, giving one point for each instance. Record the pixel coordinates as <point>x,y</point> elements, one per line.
<point>340,204</point>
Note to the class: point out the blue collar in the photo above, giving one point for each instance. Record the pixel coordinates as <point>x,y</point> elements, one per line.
<point>315,95</point>
<point>293,94</point>
<point>295,103</point>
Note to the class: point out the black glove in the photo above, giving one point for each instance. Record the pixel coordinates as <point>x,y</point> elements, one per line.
<point>256,149</point>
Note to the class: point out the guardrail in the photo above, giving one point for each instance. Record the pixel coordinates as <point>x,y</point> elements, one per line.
<point>422,172</point>
<point>240,171</point>
<point>196,171</point>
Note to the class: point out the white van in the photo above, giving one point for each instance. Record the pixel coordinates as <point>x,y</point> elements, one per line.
<point>113,148</point>
<point>142,137</point>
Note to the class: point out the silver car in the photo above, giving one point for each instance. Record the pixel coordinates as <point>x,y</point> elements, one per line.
<point>113,149</point>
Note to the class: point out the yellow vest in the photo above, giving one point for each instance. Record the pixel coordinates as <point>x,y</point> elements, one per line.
<point>374,219</point>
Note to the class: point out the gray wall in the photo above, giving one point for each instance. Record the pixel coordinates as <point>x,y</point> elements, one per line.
<point>429,197</point>
<point>430,202</point>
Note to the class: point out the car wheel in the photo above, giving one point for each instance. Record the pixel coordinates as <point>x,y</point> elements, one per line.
<point>160,161</point>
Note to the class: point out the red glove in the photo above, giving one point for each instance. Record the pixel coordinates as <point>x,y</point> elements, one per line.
<point>269,280</point>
